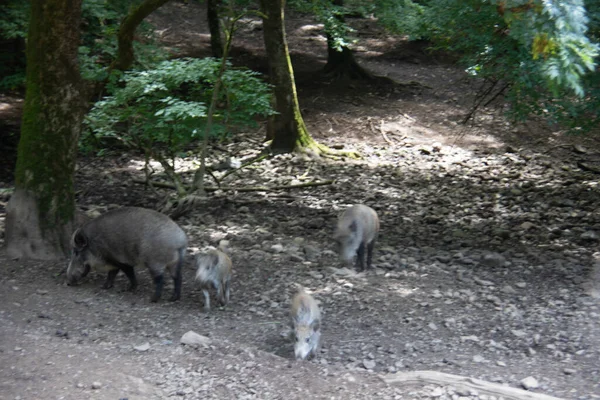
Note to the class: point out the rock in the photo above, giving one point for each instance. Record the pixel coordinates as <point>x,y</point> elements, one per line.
<point>277,248</point>
<point>525,226</point>
<point>590,235</point>
<point>437,392</point>
<point>142,347</point>
<point>193,339</point>
<point>529,383</point>
<point>312,252</point>
<point>96,385</point>
<point>509,290</point>
<point>493,260</point>
<point>369,364</point>
<point>521,285</point>
<point>569,371</point>
<point>478,358</point>
<point>518,333</point>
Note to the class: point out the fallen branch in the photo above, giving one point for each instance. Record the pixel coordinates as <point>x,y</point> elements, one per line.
<point>463,382</point>
<point>243,189</point>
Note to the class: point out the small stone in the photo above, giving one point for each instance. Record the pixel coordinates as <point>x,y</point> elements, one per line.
<point>142,347</point>
<point>518,333</point>
<point>96,385</point>
<point>478,358</point>
<point>433,326</point>
<point>369,364</point>
<point>521,285</point>
<point>493,260</point>
<point>501,363</point>
<point>525,226</point>
<point>437,392</point>
<point>277,248</point>
<point>530,383</point>
<point>569,371</point>
<point>590,235</point>
<point>193,339</point>
<point>509,290</point>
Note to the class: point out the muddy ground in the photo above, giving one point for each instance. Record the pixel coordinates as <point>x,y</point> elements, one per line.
<point>487,264</point>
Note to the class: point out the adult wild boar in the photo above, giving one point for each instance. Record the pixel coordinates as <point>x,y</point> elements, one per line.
<point>126,238</point>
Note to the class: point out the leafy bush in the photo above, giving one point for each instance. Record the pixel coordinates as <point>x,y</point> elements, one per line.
<point>162,110</point>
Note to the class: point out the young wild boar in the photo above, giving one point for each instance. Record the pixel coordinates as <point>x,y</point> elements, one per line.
<point>357,228</point>
<point>130,237</point>
<point>306,325</point>
<point>214,270</point>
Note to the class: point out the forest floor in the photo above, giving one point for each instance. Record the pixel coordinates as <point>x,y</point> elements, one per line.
<point>488,264</point>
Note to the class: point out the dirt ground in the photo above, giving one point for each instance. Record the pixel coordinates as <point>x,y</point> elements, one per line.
<point>488,263</point>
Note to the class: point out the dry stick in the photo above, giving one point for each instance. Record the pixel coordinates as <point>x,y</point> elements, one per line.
<point>383,133</point>
<point>243,189</point>
<point>457,381</point>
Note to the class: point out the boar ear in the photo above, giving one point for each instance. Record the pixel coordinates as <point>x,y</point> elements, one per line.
<point>353,226</point>
<point>79,241</point>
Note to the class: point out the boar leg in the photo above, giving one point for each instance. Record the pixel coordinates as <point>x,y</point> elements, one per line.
<point>370,247</point>
<point>130,272</point>
<point>360,259</point>
<point>159,282</point>
<point>206,299</point>
<point>177,276</point>
<point>110,278</point>
<point>227,291</point>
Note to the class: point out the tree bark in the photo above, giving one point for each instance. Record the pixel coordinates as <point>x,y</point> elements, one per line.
<point>342,64</point>
<point>125,54</point>
<point>40,213</point>
<point>287,128</point>
<point>212,14</point>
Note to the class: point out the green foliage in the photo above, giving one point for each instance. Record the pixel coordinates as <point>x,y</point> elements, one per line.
<point>100,26</point>
<point>539,50</point>
<point>14,15</point>
<point>162,110</point>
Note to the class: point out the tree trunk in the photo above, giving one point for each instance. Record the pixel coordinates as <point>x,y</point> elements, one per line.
<point>125,54</point>
<point>40,214</point>
<point>287,127</point>
<point>342,64</point>
<point>212,14</point>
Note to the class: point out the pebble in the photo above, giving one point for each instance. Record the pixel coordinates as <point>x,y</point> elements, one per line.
<point>142,347</point>
<point>96,385</point>
<point>369,364</point>
<point>194,339</point>
<point>530,383</point>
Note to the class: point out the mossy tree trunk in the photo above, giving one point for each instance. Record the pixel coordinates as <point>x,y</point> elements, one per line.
<point>125,54</point>
<point>287,128</point>
<point>40,214</point>
<point>212,15</point>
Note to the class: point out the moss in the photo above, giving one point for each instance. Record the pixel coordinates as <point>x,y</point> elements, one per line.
<point>52,112</point>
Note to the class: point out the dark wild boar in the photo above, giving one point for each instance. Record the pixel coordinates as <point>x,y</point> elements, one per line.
<point>306,325</point>
<point>126,238</point>
<point>357,229</point>
<point>214,271</point>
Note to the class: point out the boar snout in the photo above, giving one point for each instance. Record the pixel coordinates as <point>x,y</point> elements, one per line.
<point>74,274</point>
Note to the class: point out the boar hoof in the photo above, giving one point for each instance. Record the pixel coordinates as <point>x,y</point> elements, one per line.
<point>107,285</point>
<point>175,297</point>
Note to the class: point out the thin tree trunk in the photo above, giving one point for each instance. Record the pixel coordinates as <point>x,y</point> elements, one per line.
<point>40,213</point>
<point>341,62</point>
<point>212,14</point>
<point>125,54</point>
<point>287,128</point>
